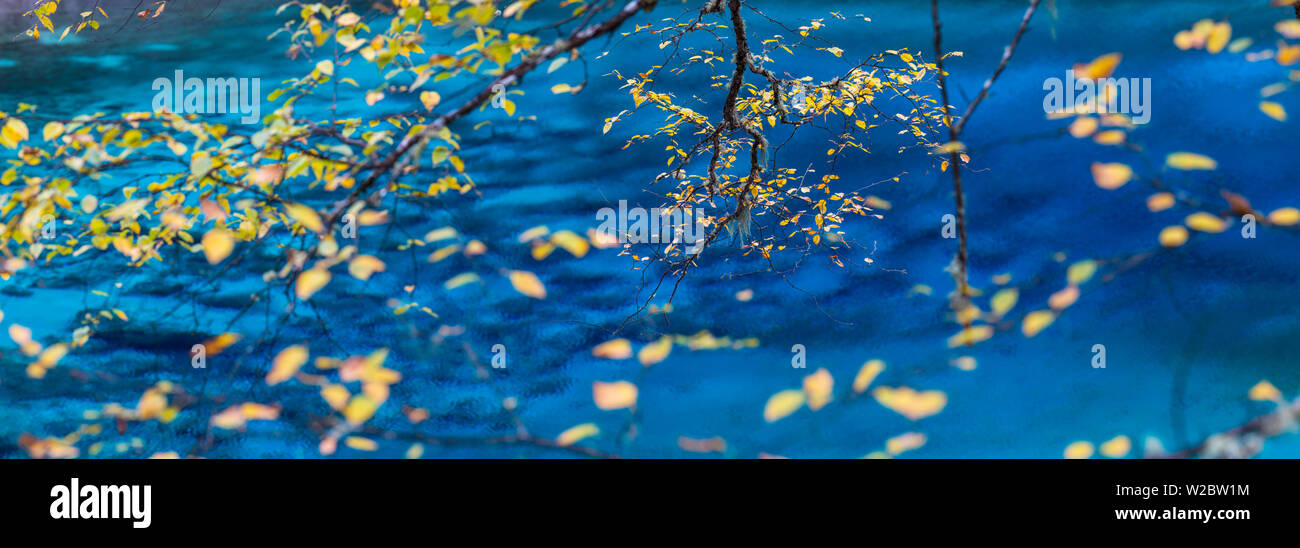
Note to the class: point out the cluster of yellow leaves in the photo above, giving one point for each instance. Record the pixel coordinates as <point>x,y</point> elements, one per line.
<point>659,349</point>
<point>1115,448</point>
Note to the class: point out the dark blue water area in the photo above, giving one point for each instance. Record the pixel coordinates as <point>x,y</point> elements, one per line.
<point>1187,331</point>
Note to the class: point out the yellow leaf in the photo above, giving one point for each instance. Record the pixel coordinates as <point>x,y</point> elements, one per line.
<point>52,130</point>
<point>527,283</point>
<point>904,442</point>
<point>1111,176</point>
<point>286,363</point>
<point>461,279</point>
<point>1084,126</point>
<point>866,374</point>
<point>360,409</point>
<point>1079,450</point>
<point>1265,391</point>
<point>1160,201</point>
<point>430,99</point>
<point>1116,447</point>
<point>360,443</point>
<point>217,245</point>
<point>326,67</point>
<point>1190,160</point>
<point>1110,137</point>
<point>1286,216</point>
<point>1206,222</point>
<point>576,245</point>
<point>1219,36</point>
<point>577,434</point>
<point>1101,67</point>
<point>910,403</point>
<point>1064,298</point>
<point>362,267</point>
<point>617,349</point>
<point>817,387</point>
<point>970,335</point>
<point>13,132</point>
<point>782,404</point>
<point>1037,321</point>
<point>306,216</point>
<point>613,395</point>
<point>1003,301</point>
<point>310,281</point>
<point>1273,110</point>
<point>1079,273</point>
<point>655,352</point>
<point>1173,236</point>
<point>336,395</point>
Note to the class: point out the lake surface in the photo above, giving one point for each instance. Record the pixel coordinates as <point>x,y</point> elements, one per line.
<point>1187,332</point>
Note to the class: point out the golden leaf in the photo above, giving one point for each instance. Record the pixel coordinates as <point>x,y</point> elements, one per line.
<point>613,395</point>
<point>782,404</point>
<point>286,363</point>
<point>1037,321</point>
<point>1173,236</point>
<point>310,281</point>
<point>217,245</point>
<point>1079,450</point>
<point>617,349</point>
<point>1190,161</point>
<point>655,352</point>
<point>910,403</point>
<point>1206,222</point>
<point>1111,176</point>
<point>577,434</point>
<point>866,374</point>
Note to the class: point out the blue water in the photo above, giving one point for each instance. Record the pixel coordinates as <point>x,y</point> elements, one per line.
<point>1187,332</point>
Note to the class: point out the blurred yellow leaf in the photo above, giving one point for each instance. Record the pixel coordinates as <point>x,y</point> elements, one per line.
<point>1190,161</point>
<point>904,442</point>
<point>817,387</point>
<point>910,403</point>
<point>527,283</point>
<point>577,434</point>
<point>970,335</point>
<point>360,443</point>
<point>217,245</point>
<point>866,374</point>
<point>576,245</point>
<point>362,267</point>
<point>1160,201</point>
<point>1101,67</point>
<point>782,404</point>
<point>1173,236</point>
<point>1079,450</point>
<point>286,363</point>
<point>656,351</point>
<point>1273,110</point>
<point>306,216</point>
<point>617,349</point>
<point>1111,176</point>
<point>1037,321</point>
<point>1286,216</point>
<point>310,281</point>
<point>1265,391</point>
<point>1205,222</point>
<point>1219,36</point>
<point>1003,301</point>
<point>1064,298</point>
<point>1116,447</point>
<point>613,395</point>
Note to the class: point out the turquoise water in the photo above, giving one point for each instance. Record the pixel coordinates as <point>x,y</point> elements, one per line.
<point>1187,332</point>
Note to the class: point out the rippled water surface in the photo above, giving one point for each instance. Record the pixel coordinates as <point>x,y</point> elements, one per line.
<point>1187,331</point>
